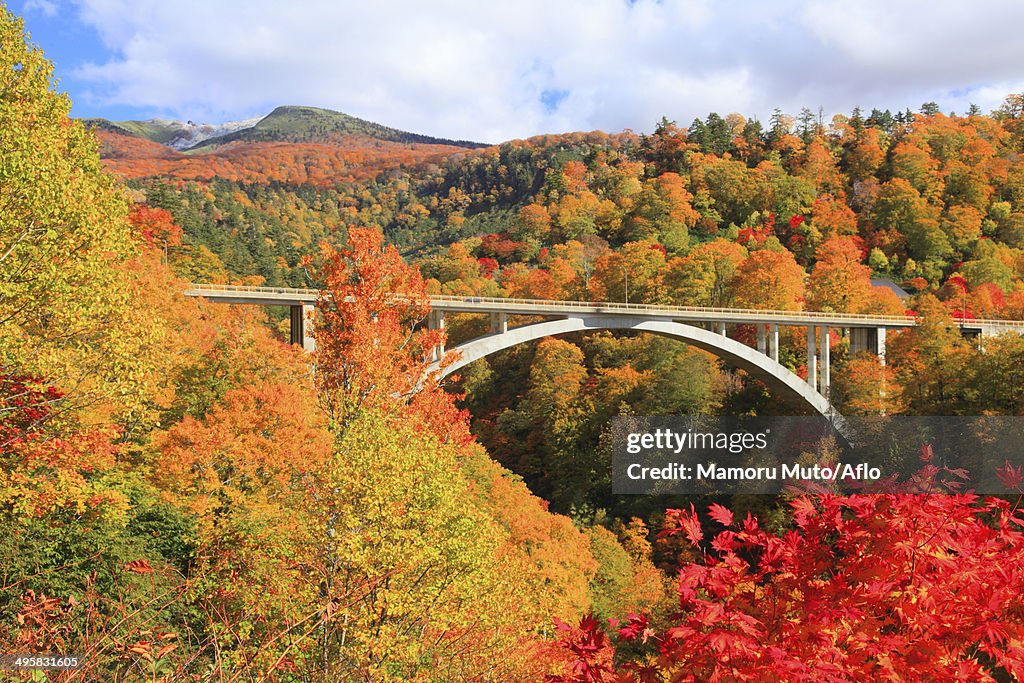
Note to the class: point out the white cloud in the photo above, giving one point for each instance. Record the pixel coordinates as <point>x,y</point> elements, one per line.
<point>45,7</point>
<point>479,70</point>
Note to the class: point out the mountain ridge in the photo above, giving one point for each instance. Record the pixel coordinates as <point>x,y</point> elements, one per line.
<point>286,123</point>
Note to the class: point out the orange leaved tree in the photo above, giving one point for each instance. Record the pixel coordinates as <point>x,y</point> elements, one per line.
<point>372,346</point>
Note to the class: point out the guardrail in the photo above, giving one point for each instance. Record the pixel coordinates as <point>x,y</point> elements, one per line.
<point>539,306</point>
<point>250,288</point>
<point>657,309</point>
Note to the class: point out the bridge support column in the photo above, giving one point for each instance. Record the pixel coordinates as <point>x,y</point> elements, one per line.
<point>295,328</point>
<point>858,340</point>
<point>870,339</point>
<point>825,352</point>
<point>435,321</point>
<point>499,323</point>
<point>812,357</point>
<point>720,328</point>
<point>300,330</point>
<point>773,342</point>
<point>762,341</point>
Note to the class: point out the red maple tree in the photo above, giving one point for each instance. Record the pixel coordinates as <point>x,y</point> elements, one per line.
<point>863,587</point>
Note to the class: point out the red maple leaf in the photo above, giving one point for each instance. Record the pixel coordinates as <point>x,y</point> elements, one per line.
<point>1010,476</point>
<point>677,521</point>
<point>720,514</point>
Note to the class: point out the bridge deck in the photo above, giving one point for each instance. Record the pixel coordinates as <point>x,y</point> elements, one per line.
<point>284,296</point>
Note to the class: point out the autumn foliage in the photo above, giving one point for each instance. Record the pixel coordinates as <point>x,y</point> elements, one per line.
<point>876,587</point>
<point>353,158</point>
<point>184,496</point>
<point>373,347</point>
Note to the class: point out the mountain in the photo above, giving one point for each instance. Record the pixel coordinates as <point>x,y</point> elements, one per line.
<point>179,135</point>
<point>284,124</point>
<point>312,124</point>
<point>292,145</point>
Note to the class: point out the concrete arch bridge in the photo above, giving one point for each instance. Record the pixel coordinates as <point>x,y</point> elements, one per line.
<point>704,328</point>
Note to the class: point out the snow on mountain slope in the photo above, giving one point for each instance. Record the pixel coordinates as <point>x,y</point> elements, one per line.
<point>190,134</point>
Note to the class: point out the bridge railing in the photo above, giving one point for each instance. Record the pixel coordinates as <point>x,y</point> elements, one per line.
<point>253,289</point>
<point>659,309</point>
<point>530,305</point>
<point>766,315</point>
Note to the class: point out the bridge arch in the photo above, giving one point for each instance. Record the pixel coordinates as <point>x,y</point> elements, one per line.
<point>780,379</point>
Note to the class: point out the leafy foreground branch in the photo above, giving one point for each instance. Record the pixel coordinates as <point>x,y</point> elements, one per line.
<point>876,587</point>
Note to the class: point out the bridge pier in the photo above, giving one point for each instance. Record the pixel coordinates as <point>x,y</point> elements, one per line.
<point>435,321</point>
<point>300,330</point>
<point>499,323</point>
<point>819,358</point>
<point>825,360</point>
<point>720,329</point>
<point>773,342</point>
<point>762,341</point>
<point>870,339</point>
<point>812,357</point>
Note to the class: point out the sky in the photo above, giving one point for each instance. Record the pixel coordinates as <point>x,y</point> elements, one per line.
<point>496,70</point>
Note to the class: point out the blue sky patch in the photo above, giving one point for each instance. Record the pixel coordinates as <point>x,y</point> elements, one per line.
<point>551,98</point>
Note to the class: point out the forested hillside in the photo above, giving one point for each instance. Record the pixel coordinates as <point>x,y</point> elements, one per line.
<point>183,496</point>
<point>921,190</point>
<point>799,214</point>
